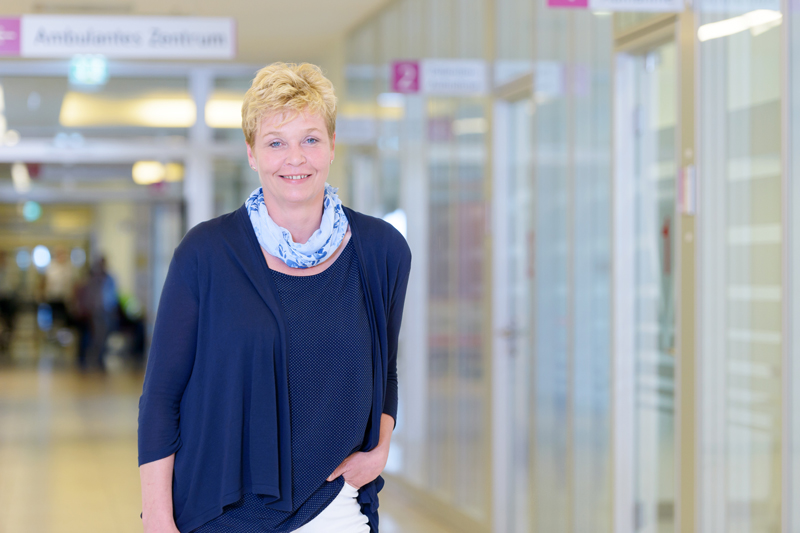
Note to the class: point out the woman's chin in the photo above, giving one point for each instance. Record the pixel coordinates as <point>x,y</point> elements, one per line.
<point>299,193</point>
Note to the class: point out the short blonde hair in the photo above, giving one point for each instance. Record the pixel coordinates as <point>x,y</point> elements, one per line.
<point>289,88</point>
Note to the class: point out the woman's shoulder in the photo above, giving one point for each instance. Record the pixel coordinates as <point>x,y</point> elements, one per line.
<point>377,234</point>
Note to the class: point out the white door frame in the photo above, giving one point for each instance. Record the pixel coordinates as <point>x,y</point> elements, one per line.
<point>503,330</point>
<point>623,305</point>
<point>638,41</point>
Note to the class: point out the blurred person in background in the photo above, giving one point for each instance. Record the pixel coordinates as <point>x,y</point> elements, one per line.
<point>98,304</point>
<point>9,285</point>
<point>82,317</point>
<point>270,393</point>
<point>59,285</point>
<point>132,324</point>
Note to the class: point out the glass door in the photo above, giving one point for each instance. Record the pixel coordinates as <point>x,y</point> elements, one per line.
<point>514,312</point>
<point>645,210</point>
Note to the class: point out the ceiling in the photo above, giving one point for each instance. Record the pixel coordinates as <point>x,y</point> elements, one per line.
<point>268,30</point>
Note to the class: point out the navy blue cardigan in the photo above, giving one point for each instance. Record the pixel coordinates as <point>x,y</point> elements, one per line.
<point>215,390</point>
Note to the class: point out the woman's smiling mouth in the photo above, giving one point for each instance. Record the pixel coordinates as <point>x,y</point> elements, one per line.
<point>295,176</point>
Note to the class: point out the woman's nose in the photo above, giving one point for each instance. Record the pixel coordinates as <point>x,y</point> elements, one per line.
<point>296,156</point>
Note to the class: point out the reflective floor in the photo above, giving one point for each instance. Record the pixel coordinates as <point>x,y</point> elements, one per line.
<point>68,447</point>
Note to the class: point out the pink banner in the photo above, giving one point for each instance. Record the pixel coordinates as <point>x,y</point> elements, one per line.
<point>574,4</point>
<point>9,36</point>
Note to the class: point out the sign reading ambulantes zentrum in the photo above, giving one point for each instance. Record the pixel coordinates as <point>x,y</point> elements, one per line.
<point>118,37</point>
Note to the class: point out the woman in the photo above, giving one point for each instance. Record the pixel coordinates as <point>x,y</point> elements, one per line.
<point>271,387</point>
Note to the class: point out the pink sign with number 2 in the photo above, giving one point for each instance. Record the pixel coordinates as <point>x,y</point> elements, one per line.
<point>405,76</point>
<point>574,4</point>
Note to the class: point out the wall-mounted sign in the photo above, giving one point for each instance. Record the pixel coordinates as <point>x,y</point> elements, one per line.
<point>739,6</point>
<point>652,6</point>
<point>574,4</point>
<point>666,6</point>
<point>405,77</point>
<point>119,37</point>
<point>443,77</point>
<point>9,36</point>
<point>454,77</point>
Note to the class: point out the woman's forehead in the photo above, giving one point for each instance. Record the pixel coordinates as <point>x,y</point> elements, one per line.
<point>291,121</point>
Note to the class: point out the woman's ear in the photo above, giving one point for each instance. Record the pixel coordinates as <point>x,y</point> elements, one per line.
<point>251,158</point>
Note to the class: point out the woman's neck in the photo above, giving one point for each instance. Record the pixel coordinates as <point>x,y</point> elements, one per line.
<point>302,220</point>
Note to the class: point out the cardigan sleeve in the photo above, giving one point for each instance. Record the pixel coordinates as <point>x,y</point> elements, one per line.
<point>170,362</point>
<point>393,331</point>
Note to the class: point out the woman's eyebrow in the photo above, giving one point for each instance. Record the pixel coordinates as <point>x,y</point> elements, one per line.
<point>279,133</point>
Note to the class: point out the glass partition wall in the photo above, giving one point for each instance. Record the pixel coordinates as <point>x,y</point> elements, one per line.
<point>558,474</point>
<point>791,191</point>
<point>424,170</point>
<point>570,405</point>
<point>741,261</point>
<point>561,397</point>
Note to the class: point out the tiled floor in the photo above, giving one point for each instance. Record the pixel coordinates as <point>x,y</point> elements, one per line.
<point>68,455</point>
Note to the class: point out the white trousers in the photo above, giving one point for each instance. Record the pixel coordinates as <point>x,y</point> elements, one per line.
<point>343,515</point>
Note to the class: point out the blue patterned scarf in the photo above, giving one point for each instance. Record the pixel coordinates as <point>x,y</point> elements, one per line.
<point>278,242</point>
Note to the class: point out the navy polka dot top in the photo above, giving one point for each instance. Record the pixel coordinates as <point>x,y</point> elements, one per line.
<point>330,393</point>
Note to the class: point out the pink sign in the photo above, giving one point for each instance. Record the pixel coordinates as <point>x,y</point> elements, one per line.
<point>9,36</point>
<point>405,77</point>
<point>575,4</point>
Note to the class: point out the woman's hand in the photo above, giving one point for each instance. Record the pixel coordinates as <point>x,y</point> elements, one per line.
<point>362,467</point>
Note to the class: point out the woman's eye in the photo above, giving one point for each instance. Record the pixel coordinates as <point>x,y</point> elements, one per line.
<point>312,140</point>
<point>274,144</point>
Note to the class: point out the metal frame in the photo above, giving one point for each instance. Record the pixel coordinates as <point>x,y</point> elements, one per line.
<point>126,69</point>
<point>686,386</point>
<point>650,34</point>
<point>502,332</point>
<point>789,252</point>
<point>81,196</point>
<point>109,151</point>
<point>570,259</point>
<point>622,301</point>
<point>516,89</point>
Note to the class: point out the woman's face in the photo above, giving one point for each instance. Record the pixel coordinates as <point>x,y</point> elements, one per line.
<point>292,159</point>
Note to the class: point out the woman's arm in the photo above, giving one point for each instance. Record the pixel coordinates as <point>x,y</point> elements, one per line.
<point>156,478</point>
<point>169,367</point>
<point>385,440</point>
<point>362,467</point>
<point>393,321</point>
